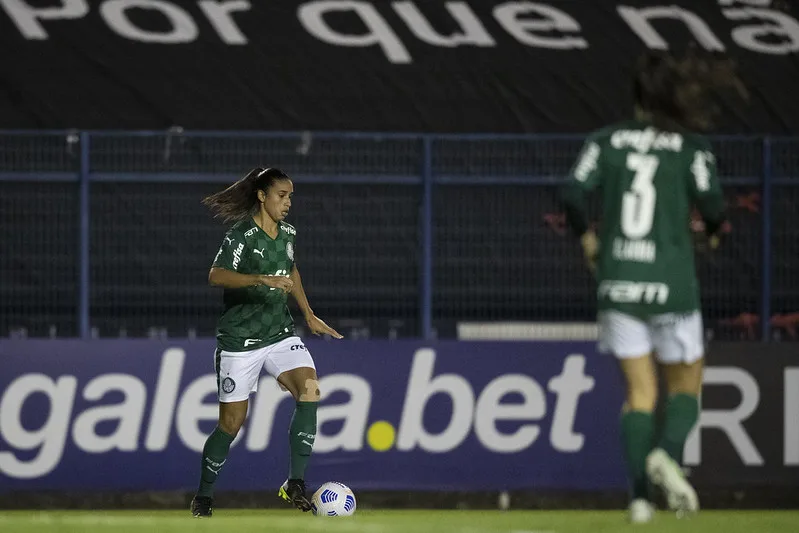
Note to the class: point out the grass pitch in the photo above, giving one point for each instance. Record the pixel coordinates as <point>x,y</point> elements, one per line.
<point>407,521</point>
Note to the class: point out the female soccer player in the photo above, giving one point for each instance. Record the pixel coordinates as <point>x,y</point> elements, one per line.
<point>651,171</point>
<point>256,267</point>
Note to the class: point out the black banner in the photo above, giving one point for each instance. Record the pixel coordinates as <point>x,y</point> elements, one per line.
<point>748,434</point>
<point>427,66</point>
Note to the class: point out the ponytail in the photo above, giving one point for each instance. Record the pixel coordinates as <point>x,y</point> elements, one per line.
<point>240,200</point>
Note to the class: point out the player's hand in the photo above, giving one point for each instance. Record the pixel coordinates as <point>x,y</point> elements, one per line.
<point>590,244</point>
<point>283,283</point>
<point>318,327</point>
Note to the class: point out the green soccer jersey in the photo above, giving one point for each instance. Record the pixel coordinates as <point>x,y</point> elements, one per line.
<point>649,181</point>
<point>255,316</point>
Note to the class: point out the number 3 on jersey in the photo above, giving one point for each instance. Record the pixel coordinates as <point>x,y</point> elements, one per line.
<point>638,204</point>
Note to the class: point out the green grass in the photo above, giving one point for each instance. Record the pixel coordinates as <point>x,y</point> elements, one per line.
<point>376,521</point>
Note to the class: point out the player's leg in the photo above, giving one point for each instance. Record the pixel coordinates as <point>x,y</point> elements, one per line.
<point>679,343</point>
<point>683,383</point>
<point>237,376</point>
<point>628,339</point>
<point>293,367</point>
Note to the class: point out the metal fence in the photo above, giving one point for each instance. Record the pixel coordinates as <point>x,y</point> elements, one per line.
<point>103,233</point>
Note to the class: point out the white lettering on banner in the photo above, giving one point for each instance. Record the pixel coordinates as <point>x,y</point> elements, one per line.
<point>354,413</point>
<point>756,27</point>
<point>129,413</point>
<point>568,386</point>
<point>473,31</point>
<point>761,38</point>
<point>49,438</point>
<point>114,13</point>
<point>187,411</point>
<point>166,395</point>
<point>792,416</point>
<point>639,20</point>
<point>27,17</point>
<point>219,14</point>
<point>729,421</point>
<point>489,410</point>
<point>549,19</point>
<point>421,387</point>
<point>183,28</point>
<point>378,31</point>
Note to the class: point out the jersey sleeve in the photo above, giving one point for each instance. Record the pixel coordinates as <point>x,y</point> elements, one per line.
<point>585,173</point>
<point>584,177</point>
<point>230,252</point>
<point>704,186</point>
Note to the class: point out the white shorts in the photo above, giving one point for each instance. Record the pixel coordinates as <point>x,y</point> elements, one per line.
<point>237,373</point>
<point>675,338</point>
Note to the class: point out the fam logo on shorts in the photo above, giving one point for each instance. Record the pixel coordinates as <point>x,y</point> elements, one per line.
<point>290,251</point>
<point>228,385</point>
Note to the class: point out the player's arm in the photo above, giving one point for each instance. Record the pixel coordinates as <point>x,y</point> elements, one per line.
<point>583,179</point>
<point>705,190</point>
<point>229,279</point>
<point>315,324</point>
<point>224,270</point>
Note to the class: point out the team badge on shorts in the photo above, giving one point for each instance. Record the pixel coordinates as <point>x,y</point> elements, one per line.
<point>228,385</point>
<point>290,251</point>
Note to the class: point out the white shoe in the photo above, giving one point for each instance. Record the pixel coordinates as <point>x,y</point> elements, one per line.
<point>641,511</point>
<point>664,472</point>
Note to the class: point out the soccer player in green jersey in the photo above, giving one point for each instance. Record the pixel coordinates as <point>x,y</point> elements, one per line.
<point>256,267</point>
<point>650,173</point>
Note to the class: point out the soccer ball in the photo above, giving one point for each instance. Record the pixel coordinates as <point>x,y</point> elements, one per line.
<point>333,499</point>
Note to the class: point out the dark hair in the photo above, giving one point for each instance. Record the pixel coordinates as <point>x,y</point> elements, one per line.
<point>240,200</point>
<point>676,89</point>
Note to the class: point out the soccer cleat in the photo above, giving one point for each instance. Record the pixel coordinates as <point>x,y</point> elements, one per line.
<point>664,472</point>
<point>641,511</point>
<point>293,490</point>
<point>201,507</point>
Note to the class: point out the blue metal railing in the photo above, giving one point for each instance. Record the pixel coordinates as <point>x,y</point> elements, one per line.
<point>503,163</point>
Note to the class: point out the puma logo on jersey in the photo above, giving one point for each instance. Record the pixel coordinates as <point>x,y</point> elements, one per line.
<point>259,252</point>
<point>237,255</point>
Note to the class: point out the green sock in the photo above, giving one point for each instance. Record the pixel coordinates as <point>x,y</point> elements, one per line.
<point>637,429</point>
<point>214,456</point>
<point>682,412</point>
<point>302,433</point>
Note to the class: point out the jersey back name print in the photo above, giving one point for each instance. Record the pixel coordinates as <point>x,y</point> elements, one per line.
<point>649,181</point>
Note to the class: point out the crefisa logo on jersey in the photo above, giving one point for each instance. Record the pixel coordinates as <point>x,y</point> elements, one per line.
<point>237,255</point>
<point>290,251</point>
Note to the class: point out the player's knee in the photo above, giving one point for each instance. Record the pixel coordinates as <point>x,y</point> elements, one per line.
<point>642,397</point>
<point>231,423</point>
<point>309,392</point>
